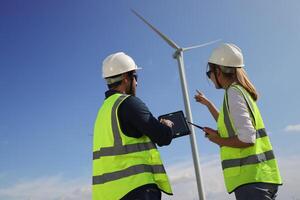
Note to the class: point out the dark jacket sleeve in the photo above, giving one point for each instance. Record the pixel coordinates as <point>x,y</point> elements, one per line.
<point>136,120</point>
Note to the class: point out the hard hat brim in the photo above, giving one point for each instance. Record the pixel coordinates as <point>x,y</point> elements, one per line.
<point>138,68</point>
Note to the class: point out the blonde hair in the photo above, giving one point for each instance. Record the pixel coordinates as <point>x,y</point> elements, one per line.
<point>243,80</point>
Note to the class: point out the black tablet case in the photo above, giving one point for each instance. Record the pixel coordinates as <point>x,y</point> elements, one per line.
<point>180,127</point>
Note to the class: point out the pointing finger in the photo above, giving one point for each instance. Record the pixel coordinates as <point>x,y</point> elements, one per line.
<point>199,92</point>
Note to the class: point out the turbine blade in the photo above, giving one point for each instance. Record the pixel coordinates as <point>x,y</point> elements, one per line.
<point>164,37</point>
<point>201,45</point>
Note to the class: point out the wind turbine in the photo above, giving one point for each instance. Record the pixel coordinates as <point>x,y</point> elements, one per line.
<point>178,54</point>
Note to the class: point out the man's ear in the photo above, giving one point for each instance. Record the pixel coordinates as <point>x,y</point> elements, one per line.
<point>125,78</point>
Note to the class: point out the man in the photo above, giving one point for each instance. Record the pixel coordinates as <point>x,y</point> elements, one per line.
<point>126,162</point>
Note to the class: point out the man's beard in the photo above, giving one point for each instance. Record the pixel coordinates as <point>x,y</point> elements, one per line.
<point>130,92</point>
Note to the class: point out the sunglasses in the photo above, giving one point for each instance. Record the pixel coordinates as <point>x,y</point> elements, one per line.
<point>135,76</point>
<point>208,73</point>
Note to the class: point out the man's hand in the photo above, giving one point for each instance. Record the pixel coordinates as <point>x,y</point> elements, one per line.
<point>167,122</point>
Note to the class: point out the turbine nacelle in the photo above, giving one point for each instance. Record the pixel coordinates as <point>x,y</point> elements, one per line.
<point>169,41</point>
<point>177,53</point>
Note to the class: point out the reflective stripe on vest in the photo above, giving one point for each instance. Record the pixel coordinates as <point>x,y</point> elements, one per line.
<point>229,127</point>
<point>114,121</point>
<point>133,170</point>
<point>253,159</point>
<point>125,149</point>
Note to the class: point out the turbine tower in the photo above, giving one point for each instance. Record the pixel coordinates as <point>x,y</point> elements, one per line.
<point>178,54</point>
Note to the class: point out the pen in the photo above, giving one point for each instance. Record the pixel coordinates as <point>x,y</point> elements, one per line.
<point>196,125</point>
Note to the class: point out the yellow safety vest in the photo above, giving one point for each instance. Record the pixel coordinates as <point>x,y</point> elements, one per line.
<point>122,163</point>
<point>253,164</point>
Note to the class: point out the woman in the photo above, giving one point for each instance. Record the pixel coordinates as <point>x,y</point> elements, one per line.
<point>249,166</point>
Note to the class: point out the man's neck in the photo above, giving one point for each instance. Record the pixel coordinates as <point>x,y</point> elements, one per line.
<point>120,90</point>
<point>111,92</point>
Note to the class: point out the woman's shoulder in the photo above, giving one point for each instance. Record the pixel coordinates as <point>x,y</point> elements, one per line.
<point>235,94</point>
<point>236,88</point>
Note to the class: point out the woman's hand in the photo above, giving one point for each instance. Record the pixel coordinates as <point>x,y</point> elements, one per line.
<point>201,98</point>
<point>211,134</point>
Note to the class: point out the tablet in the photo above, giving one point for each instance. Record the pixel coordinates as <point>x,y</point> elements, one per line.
<point>180,127</point>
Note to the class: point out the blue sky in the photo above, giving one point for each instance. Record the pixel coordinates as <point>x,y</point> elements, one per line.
<point>51,86</point>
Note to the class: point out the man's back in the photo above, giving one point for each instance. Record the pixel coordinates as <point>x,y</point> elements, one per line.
<point>120,161</point>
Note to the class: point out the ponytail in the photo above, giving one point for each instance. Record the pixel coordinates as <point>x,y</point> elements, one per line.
<point>244,81</point>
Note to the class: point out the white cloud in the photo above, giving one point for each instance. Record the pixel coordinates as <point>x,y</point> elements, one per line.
<point>48,188</point>
<point>293,128</point>
<point>184,184</point>
<point>289,168</point>
<point>181,176</point>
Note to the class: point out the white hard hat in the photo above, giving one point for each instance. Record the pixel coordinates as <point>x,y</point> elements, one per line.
<point>228,55</point>
<point>117,63</point>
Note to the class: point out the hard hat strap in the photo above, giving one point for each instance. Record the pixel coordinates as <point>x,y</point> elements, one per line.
<point>131,80</point>
<point>216,77</point>
<point>131,77</point>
